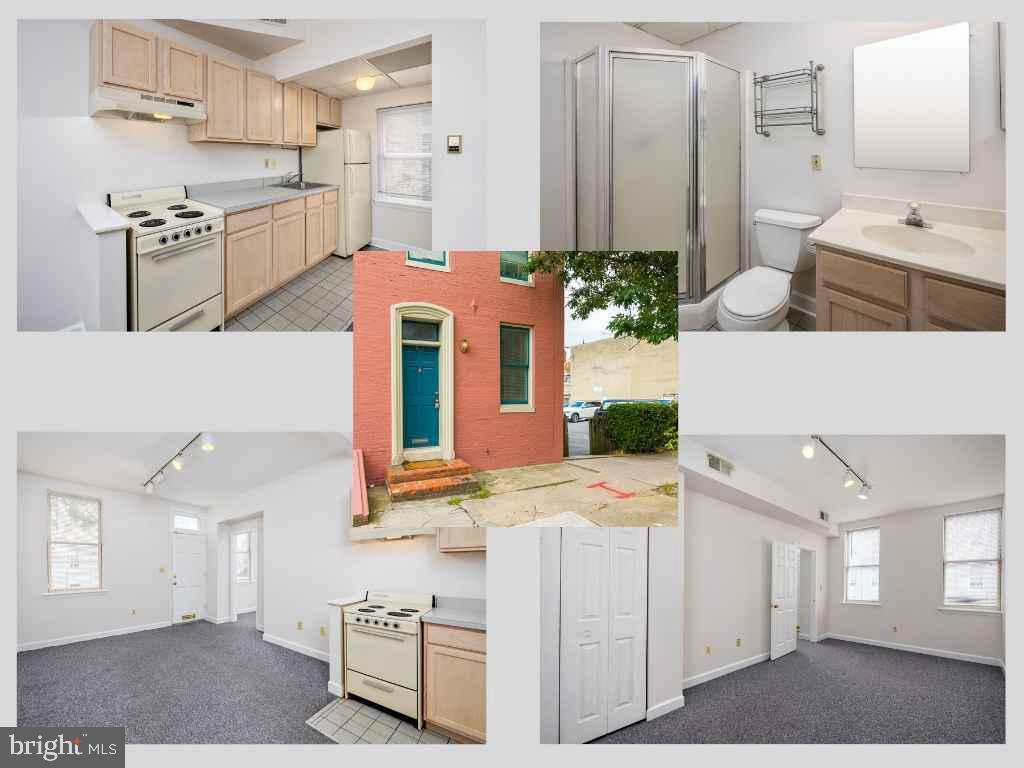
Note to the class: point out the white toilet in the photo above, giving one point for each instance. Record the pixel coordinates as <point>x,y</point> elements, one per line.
<point>758,299</point>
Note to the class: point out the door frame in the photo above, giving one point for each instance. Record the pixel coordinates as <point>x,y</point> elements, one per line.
<point>445,449</point>
<point>812,628</point>
<point>788,548</point>
<point>226,563</point>
<point>201,533</point>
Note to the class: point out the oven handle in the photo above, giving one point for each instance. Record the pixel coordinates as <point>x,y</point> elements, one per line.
<point>378,686</point>
<point>190,247</point>
<point>389,636</point>
<point>186,320</point>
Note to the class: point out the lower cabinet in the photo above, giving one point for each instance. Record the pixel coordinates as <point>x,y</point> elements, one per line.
<point>840,312</point>
<point>330,228</point>
<point>314,235</point>
<point>247,266</point>
<point>289,247</point>
<point>455,681</point>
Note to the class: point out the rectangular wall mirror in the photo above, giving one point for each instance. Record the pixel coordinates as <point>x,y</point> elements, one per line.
<point>912,101</point>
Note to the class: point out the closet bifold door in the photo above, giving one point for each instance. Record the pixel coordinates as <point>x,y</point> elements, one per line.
<point>627,649</point>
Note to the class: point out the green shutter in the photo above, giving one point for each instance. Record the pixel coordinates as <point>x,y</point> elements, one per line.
<point>515,365</point>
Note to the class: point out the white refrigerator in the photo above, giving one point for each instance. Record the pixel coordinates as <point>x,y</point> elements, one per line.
<point>342,157</point>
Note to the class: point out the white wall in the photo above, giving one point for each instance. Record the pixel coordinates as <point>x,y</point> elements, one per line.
<point>246,592</point>
<point>136,535</point>
<point>394,225</point>
<point>66,158</point>
<point>780,166</point>
<point>910,589</point>
<point>560,41</point>
<point>727,583</point>
<point>308,558</point>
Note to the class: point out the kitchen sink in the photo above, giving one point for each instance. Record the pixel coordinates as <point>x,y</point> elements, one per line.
<point>917,240</point>
<point>302,185</point>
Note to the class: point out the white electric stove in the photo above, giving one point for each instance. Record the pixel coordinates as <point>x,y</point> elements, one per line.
<point>383,650</point>
<point>175,260</point>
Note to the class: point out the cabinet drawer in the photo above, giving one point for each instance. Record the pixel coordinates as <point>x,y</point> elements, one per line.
<point>205,317</point>
<point>330,196</point>
<point>236,222</point>
<point>315,201</point>
<point>454,637</point>
<point>874,281</point>
<point>289,208</point>
<point>386,694</point>
<point>964,307</point>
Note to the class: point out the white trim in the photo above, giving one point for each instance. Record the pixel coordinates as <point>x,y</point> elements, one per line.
<point>66,592</point>
<point>218,619</point>
<point>305,650</point>
<point>397,202</point>
<point>530,405</point>
<point>520,283</point>
<point>333,687</point>
<point>990,660</point>
<point>393,245</point>
<point>804,636</point>
<point>411,261</point>
<point>245,610</point>
<point>665,707</point>
<point>33,645</point>
<point>868,603</point>
<point>736,666</point>
<point>982,611</point>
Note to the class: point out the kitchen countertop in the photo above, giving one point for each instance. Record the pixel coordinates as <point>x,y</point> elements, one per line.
<point>986,266</point>
<point>343,601</point>
<point>233,197</point>
<point>463,612</point>
<point>102,218</point>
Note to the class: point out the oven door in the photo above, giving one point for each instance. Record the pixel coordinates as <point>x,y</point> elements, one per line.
<point>174,279</point>
<point>390,656</point>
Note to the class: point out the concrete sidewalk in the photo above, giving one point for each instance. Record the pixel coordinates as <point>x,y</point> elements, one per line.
<point>633,490</point>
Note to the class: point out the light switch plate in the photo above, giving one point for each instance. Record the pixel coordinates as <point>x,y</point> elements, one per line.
<point>455,144</point>
<point>816,162</point>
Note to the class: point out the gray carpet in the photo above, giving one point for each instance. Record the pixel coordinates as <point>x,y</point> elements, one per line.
<point>835,692</point>
<point>198,684</point>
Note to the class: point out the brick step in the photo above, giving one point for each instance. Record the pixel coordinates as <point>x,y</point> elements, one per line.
<point>432,487</point>
<point>427,470</point>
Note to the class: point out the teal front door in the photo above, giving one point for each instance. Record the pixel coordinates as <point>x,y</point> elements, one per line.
<point>419,396</point>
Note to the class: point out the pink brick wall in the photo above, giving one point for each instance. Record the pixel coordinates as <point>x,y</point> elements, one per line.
<point>484,437</point>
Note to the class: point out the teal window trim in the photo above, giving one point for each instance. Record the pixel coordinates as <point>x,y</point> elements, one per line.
<point>517,366</point>
<point>513,270</point>
<point>432,260</point>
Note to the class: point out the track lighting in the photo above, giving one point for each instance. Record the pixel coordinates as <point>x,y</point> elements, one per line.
<point>850,476</point>
<point>178,462</point>
<point>149,486</point>
<point>862,494</point>
<point>849,479</point>
<point>206,443</point>
<point>158,477</point>
<point>808,450</point>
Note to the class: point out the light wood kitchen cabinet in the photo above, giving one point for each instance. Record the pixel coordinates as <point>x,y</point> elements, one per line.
<point>461,539</point>
<point>314,229</point>
<point>289,247</point>
<point>259,107</point>
<point>330,227</point>
<point>856,293</point>
<point>124,55</point>
<point>247,263</point>
<point>307,122</point>
<point>291,114</point>
<point>455,681</point>
<point>225,100</point>
<point>278,113</point>
<point>323,110</point>
<point>181,70</point>
<point>336,112</point>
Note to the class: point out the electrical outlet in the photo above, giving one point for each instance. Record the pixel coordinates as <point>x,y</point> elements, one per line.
<point>133,611</point>
<point>323,631</point>
<point>269,162</point>
<point>707,650</point>
<point>162,569</point>
<point>816,162</point>
<point>298,625</point>
<point>894,629</point>
<point>739,642</point>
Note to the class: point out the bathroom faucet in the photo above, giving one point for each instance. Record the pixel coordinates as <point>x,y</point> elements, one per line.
<point>914,218</point>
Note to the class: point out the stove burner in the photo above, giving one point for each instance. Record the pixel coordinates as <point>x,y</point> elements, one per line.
<point>177,207</point>
<point>400,614</point>
<point>189,214</point>
<point>138,214</point>
<point>366,610</point>
<point>377,606</point>
<point>409,610</point>
<point>153,223</point>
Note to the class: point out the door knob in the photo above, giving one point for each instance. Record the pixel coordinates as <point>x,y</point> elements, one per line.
<point>775,605</point>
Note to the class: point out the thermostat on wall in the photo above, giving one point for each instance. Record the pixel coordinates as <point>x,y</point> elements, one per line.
<point>455,145</point>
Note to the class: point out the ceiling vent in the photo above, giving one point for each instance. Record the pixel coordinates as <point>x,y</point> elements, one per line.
<point>718,464</point>
<point>276,22</point>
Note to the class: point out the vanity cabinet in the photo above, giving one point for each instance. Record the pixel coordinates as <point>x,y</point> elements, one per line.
<point>182,70</point>
<point>461,539</point>
<point>124,55</point>
<point>455,681</point>
<point>248,258</point>
<point>856,293</point>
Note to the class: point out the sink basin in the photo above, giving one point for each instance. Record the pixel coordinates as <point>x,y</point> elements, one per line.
<point>916,240</point>
<point>302,185</point>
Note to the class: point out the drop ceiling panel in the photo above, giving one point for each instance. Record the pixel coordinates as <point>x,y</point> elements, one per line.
<point>680,33</point>
<point>250,44</point>
<point>405,58</point>
<point>415,76</point>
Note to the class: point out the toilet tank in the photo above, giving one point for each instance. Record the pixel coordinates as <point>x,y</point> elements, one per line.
<point>782,238</point>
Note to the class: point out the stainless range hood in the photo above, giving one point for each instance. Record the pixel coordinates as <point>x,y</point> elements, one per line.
<point>132,105</point>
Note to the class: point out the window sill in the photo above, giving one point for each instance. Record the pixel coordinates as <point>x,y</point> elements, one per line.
<point>446,267</point>
<point>394,202</point>
<point>67,592</point>
<point>985,611</point>
<point>523,408</point>
<point>510,281</point>
<point>868,603</point>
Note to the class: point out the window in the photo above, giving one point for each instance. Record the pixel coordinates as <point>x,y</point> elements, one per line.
<point>183,522</point>
<point>245,565</point>
<point>404,154</point>
<point>972,559</point>
<point>515,365</point>
<point>74,546</point>
<point>514,267</point>
<point>429,259</point>
<point>862,564</point>
<point>420,330</point>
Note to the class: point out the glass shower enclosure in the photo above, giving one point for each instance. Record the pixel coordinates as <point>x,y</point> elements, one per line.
<point>657,159</point>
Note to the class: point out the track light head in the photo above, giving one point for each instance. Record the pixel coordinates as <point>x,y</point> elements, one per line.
<point>178,462</point>
<point>206,442</point>
<point>862,494</point>
<point>808,450</point>
<point>149,487</point>
<point>849,479</point>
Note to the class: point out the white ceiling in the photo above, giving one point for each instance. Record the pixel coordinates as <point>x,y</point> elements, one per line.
<point>905,471</point>
<point>680,32</point>
<point>123,461</point>
<point>253,39</point>
<point>399,67</point>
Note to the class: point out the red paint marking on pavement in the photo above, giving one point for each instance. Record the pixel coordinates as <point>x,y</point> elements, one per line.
<point>616,493</point>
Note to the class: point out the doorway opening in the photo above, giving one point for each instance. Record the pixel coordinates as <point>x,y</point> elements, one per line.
<point>793,597</point>
<point>240,544</point>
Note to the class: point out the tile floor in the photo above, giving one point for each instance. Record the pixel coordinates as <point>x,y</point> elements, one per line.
<point>319,299</point>
<point>349,721</point>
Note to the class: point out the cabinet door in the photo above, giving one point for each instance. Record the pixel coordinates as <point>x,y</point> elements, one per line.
<point>289,247</point>
<point>128,56</point>
<point>182,69</point>
<point>247,263</point>
<point>330,228</point>
<point>259,107</point>
<point>314,235</point>
<point>461,539</point>
<point>963,308</point>
<point>278,111</point>
<point>456,690</point>
<point>291,114</point>
<point>336,112</point>
<point>323,109</point>
<point>839,312</point>
<point>308,121</point>
<point>225,100</point>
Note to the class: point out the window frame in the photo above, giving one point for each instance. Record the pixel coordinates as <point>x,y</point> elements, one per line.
<point>945,606</point>
<point>50,542</point>
<point>251,579</point>
<point>176,513</point>
<point>517,407</point>
<point>528,282</point>
<point>379,195</point>
<point>847,566</point>
<point>412,260</point>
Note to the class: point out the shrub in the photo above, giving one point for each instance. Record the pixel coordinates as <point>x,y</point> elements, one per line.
<point>642,427</point>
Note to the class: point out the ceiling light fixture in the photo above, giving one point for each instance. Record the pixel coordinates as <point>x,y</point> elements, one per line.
<point>849,479</point>
<point>207,443</point>
<point>808,449</point>
<point>178,460</point>
<point>365,83</point>
<point>862,494</point>
<point>850,476</point>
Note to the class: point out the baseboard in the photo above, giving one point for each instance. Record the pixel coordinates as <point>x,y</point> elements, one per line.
<point>803,636</point>
<point>735,666</point>
<point>305,650</point>
<point>218,619</point>
<point>665,707</point>
<point>394,245</point>
<point>803,303</point>
<point>31,646</point>
<point>990,660</point>
<point>246,610</point>
<point>335,688</point>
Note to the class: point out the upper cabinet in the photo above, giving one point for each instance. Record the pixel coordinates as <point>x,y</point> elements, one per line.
<point>259,107</point>
<point>127,56</point>
<point>336,112</point>
<point>225,100</point>
<point>181,70</point>
<point>291,114</point>
<point>328,111</point>
<point>307,122</point>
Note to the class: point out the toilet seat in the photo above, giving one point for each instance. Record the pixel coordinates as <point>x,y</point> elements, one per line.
<point>755,300</point>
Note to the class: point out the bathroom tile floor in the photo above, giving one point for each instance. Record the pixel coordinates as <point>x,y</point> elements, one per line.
<point>349,721</point>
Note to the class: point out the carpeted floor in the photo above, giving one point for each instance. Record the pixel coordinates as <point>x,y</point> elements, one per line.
<point>835,692</point>
<point>199,683</point>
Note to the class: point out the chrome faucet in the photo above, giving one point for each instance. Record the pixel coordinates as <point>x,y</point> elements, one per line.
<point>913,217</point>
<point>292,176</point>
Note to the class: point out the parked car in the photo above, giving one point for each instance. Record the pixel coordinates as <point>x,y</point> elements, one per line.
<point>581,410</point>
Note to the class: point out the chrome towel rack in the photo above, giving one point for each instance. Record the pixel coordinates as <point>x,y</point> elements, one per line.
<point>800,114</point>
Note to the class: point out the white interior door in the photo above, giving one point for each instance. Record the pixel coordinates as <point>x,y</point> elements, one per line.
<point>784,598</point>
<point>188,577</point>
<point>627,689</point>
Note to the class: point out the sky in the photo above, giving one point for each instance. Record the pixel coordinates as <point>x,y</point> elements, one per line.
<point>593,328</point>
